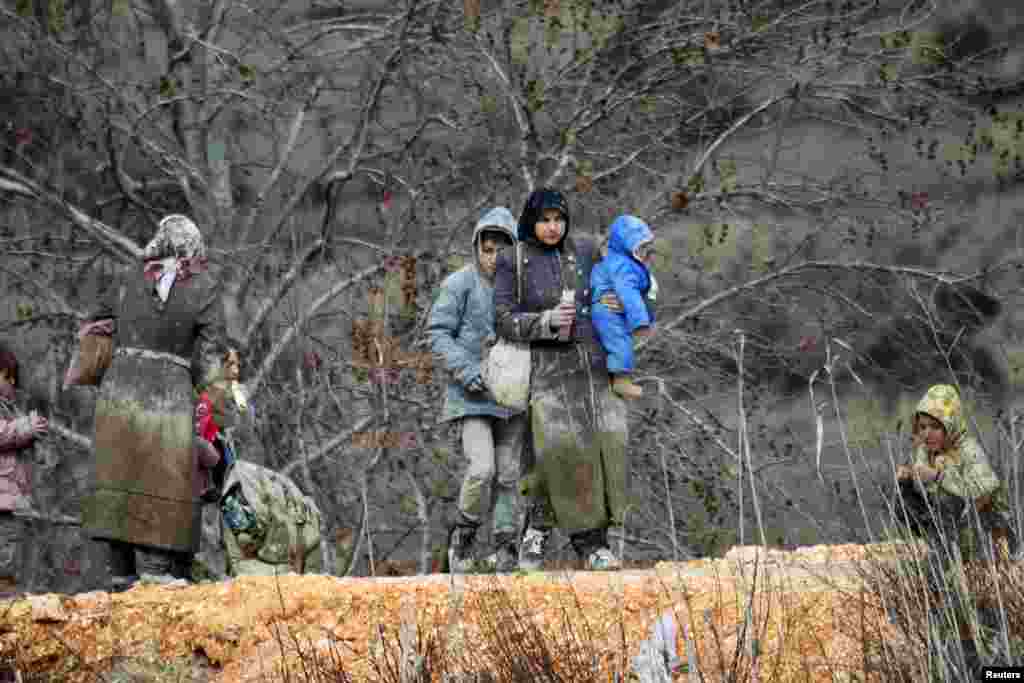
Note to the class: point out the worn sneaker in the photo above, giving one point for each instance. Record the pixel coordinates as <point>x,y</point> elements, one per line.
<point>603,560</point>
<point>119,584</point>
<point>161,580</point>
<point>460,549</point>
<point>532,549</point>
<point>506,559</point>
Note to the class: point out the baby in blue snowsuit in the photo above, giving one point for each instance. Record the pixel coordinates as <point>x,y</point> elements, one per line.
<point>624,272</point>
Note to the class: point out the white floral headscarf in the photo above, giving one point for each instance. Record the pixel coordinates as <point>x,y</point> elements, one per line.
<point>176,237</point>
<point>176,252</point>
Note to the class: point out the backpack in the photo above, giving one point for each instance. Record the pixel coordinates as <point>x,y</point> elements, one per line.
<point>270,526</point>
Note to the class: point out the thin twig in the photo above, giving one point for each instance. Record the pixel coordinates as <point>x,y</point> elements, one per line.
<point>800,269</point>
<point>289,147</point>
<point>289,334</point>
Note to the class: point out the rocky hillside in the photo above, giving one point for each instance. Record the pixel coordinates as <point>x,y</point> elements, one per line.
<point>809,611</point>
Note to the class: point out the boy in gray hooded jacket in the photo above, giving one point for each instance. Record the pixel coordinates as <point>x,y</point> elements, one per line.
<point>461,320</point>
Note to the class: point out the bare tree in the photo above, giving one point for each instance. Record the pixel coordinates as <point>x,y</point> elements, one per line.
<point>799,160</point>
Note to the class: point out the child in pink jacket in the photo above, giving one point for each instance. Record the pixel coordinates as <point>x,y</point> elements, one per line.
<point>16,436</point>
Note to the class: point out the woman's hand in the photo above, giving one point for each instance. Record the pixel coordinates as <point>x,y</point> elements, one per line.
<point>562,315</point>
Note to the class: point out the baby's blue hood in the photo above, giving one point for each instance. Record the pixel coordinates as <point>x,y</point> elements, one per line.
<point>628,233</point>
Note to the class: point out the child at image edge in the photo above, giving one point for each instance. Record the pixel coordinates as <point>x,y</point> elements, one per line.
<point>625,271</point>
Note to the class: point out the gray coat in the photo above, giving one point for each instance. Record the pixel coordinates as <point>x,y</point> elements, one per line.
<point>461,321</point>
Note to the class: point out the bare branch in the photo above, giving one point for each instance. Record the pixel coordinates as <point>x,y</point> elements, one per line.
<point>62,306</point>
<point>216,25</point>
<point>851,102</point>
<point>173,164</point>
<point>525,129</point>
<point>354,146</point>
<point>667,133</point>
<point>71,435</point>
<point>423,512</point>
<point>125,183</point>
<point>336,442</point>
<point>799,269</point>
<point>170,16</point>
<point>39,37</point>
<point>318,303</point>
<point>293,136</point>
<point>282,287</point>
<point>13,182</point>
<point>740,122</point>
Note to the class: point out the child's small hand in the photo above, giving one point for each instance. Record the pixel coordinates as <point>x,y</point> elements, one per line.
<point>612,302</point>
<point>642,332</point>
<point>39,424</point>
<point>31,425</point>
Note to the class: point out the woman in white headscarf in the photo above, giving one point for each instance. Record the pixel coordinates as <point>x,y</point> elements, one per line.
<point>167,324</point>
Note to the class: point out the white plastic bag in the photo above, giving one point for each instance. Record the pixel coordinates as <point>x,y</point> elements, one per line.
<point>506,372</point>
<point>505,369</point>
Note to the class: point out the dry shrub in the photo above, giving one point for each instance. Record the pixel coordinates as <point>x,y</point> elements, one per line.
<point>942,621</point>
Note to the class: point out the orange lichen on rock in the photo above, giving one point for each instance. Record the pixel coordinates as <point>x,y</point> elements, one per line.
<point>805,612</point>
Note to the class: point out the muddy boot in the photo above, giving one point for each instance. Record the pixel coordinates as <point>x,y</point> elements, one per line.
<point>532,549</point>
<point>603,560</point>
<point>505,558</point>
<point>591,546</point>
<point>121,572</point>
<point>623,386</point>
<point>461,545</point>
<point>122,583</point>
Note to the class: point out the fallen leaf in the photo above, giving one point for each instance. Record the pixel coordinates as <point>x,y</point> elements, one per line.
<point>679,200</point>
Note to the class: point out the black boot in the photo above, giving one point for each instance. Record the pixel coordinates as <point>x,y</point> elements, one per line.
<point>462,544</point>
<point>505,559</point>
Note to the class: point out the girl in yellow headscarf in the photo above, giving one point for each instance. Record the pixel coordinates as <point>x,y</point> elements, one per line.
<point>950,467</point>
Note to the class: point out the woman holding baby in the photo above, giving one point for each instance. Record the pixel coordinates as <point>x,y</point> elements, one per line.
<point>578,480</point>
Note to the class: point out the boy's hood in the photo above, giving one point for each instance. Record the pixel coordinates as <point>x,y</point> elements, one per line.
<point>498,219</point>
<point>628,233</point>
